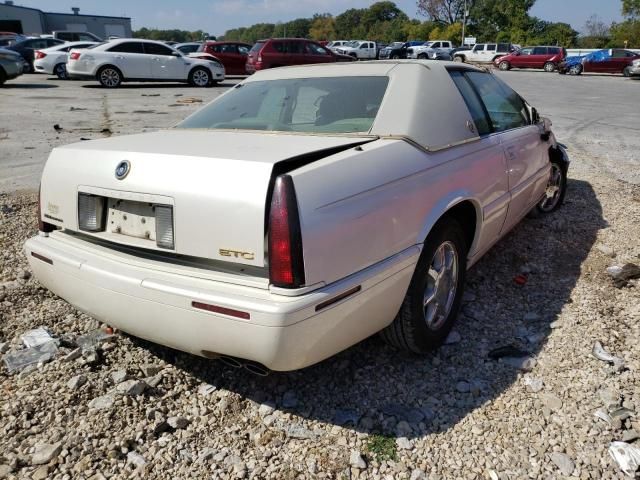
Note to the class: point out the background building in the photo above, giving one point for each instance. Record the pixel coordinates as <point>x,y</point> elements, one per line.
<point>14,18</point>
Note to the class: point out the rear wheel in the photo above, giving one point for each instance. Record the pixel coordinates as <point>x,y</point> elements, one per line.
<point>109,77</point>
<point>200,77</point>
<point>556,189</point>
<point>61,71</point>
<point>458,58</point>
<point>504,66</point>
<point>433,299</point>
<point>3,76</point>
<point>575,69</point>
<point>549,67</point>
<point>627,72</point>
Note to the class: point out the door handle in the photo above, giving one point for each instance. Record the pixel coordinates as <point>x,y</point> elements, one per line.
<point>120,57</point>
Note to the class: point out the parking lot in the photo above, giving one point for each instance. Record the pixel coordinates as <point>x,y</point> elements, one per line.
<point>454,414</point>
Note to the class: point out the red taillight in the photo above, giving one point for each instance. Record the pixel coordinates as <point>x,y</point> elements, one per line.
<point>40,54</point>
<point>286,266</point>
<point>75,56</point>
<point>43,226</point>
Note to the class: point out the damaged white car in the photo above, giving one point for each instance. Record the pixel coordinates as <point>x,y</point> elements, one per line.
<point>302,211</point>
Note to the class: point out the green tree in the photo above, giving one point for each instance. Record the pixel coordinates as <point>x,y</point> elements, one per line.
<point>502,20</point>
<point>323,27</point>
<point>625,34</point>
<point>631,8</point>
<point>348,22</point>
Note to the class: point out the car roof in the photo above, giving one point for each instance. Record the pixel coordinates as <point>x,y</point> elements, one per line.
<point>404,108</point>
<point>224,42</point>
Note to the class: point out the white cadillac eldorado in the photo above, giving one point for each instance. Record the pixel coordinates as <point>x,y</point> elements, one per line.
<point>302,211</point>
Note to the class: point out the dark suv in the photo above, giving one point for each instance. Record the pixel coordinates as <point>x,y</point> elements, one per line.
<point>280,52</point>
<point>547,58</point>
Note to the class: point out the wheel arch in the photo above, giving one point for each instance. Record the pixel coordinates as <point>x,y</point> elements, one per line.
<point>462,207</point>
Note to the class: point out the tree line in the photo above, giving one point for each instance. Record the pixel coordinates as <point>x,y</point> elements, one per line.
<point>487,20</point>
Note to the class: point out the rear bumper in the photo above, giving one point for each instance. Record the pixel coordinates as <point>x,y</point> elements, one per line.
<point>282,332</point>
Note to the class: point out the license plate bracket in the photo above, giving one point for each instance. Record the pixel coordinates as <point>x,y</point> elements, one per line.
<point>132,219</point>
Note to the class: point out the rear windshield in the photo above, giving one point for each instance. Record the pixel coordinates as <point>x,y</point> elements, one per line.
<point>257,46</point>
<point>310,105</point>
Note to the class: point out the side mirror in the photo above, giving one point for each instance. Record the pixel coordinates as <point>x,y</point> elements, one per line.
<point>176,54</point>
<point>533,115</point>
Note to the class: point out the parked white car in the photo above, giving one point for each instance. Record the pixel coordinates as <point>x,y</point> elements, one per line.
<point>302,211</point>
<point>53,60</point>
<point>360,49</point>
<point>483,53</point>
<point>135,60</point>
<point>429,49</point>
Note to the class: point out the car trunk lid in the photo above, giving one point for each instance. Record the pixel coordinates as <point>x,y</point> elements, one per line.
<point>216,184</point>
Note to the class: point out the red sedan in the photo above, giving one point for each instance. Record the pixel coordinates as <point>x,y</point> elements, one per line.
<point>233,55</point>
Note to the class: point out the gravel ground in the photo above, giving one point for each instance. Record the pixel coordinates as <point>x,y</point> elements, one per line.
<point>134,409</point>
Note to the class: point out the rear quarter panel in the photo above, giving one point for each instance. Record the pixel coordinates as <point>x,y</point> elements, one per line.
<point>361,206</point>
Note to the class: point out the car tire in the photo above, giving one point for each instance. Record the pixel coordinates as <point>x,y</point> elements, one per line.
<point>556,189</point>
<point>395,56</point>
<point>627,72</point>
<point>3,76</point>
<point>422,325</point>
<point>60,71</point>
<point>109,76</point>
<point>504,66</point>
<point>575,69</point>
<point>549,67</point>
<point>200,77</point>
<point>458,58</point>
<point>423,56</point>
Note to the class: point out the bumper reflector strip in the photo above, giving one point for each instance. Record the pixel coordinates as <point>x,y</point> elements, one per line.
<point>337,298</point>
<point>225,311</point>
<point>42,258</point>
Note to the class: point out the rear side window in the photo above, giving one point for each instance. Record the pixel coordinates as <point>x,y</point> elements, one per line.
<point>504,47</point>
<point>505,107</point>
<point>155,49</point>
<point>127,47</point>
<point>65,36</point>
<point>554,50</point>
<point>256,47</point>
<point>540,51</point>
<point>491,46</point>
<point>478,113</point>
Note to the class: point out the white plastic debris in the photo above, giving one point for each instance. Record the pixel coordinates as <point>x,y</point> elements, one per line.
<point>92,339</point>
<point>600,353</point>
<point>626,456</point>
<point>35,337</point>
<point>614,270</point>
<point>23,358</point>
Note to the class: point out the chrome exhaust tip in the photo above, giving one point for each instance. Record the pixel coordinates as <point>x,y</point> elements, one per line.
<point>257,369</point>
<point>230,361</point>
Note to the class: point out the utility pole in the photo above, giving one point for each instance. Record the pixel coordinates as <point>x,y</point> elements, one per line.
<point>464,21</point>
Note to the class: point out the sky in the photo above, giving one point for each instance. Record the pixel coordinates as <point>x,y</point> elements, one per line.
<point>216,16</point>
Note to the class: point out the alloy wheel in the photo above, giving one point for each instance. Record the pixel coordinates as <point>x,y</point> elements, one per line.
<point>200,78</point>
<point>109,77</point>
<point>442,282</point>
